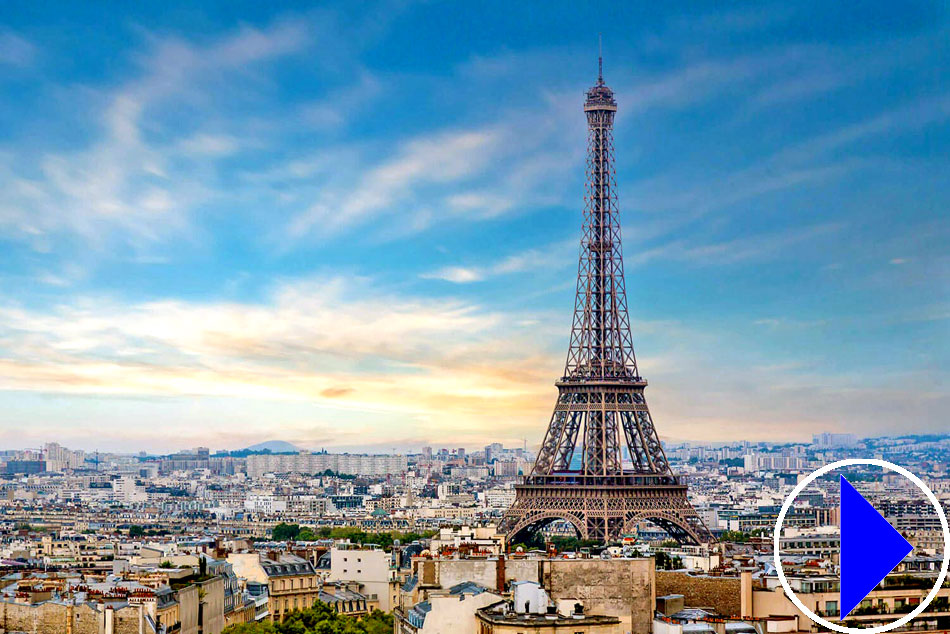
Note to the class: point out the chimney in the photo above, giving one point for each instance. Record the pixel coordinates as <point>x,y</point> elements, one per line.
<point>746,608</point>
<point>109,617</point>
<point>500,573</point>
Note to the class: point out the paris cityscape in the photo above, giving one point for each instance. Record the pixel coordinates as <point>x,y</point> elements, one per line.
<point>348,319</point>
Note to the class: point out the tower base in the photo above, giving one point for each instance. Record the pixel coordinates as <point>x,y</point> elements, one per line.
<point>604,513</point>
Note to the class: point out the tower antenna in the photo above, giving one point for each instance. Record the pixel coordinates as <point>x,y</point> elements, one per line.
<point>600,60</point>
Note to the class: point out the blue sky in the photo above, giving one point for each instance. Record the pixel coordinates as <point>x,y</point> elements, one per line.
<point>356,225</point>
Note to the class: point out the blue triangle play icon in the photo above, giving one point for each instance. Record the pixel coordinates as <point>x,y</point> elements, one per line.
<point>870,548</point>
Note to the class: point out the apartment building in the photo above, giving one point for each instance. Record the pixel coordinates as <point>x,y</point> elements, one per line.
<point>292,582</point>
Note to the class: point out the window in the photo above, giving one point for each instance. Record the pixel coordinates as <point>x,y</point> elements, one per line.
<point>831,607</point>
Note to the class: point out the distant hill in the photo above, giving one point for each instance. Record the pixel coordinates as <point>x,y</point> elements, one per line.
<point>274,446</point>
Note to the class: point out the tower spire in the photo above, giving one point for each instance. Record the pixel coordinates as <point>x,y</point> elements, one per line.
<point>600,60</point>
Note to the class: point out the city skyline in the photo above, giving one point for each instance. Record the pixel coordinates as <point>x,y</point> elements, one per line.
<point>253,227</point>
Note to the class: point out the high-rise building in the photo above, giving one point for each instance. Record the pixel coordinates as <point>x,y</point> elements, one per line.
<point>59,458</point>
<point>831,440</point>
<point>316,463</point>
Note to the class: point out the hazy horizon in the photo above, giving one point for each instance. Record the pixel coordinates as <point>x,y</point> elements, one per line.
<point>406,449</point>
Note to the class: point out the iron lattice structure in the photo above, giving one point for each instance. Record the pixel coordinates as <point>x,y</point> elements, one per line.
<point>601,401</point>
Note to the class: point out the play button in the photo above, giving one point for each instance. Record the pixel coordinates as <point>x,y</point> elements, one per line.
<point>870,548</point>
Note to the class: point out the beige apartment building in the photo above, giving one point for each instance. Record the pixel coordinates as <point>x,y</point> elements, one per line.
<point>194,609</point>
<point>292,582</point>
<point>898,595</point>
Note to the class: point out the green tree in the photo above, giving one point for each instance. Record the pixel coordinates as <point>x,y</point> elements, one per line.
<point>378,622</point>
<point>307,535</point>
<point>283,531</point>
<point>320,619</point>
<point>383,539</point>
<point>734,536</point>
<point>136,531</point>
<point>252,628</point>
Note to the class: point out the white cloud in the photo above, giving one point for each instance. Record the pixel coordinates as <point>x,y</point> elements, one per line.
<point>456,274</point>
<point>341,105</point>
<point>732,251</point>
<point>208,145</point>
<point>553,255</point>
<point>124,183</point>
<point>441,158</point>
<point>16,50</point>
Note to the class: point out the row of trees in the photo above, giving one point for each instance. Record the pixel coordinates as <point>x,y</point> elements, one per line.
<point>740,536</point>
<point>140,531</point>
<point>537,541</point>
<point>320,619</point>
<point>283,532</point>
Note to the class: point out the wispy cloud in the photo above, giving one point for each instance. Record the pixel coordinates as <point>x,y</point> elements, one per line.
<point>447,157</point>
<point>554,255</point>
<point>912,116</point>
<point>124,182</point>
<point>16,50</point>
<point>337,109</point>
<point>737,250</point>
<point>814,161</point>
<point>208,145</point>
<point>456,274</point>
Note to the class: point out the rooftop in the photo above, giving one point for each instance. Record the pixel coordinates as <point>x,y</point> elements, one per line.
<point>503,613</point>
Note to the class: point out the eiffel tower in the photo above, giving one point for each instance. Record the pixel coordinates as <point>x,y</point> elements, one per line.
<point>601,400</point>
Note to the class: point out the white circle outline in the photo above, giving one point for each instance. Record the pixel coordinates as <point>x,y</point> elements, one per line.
<point>884,464</point>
